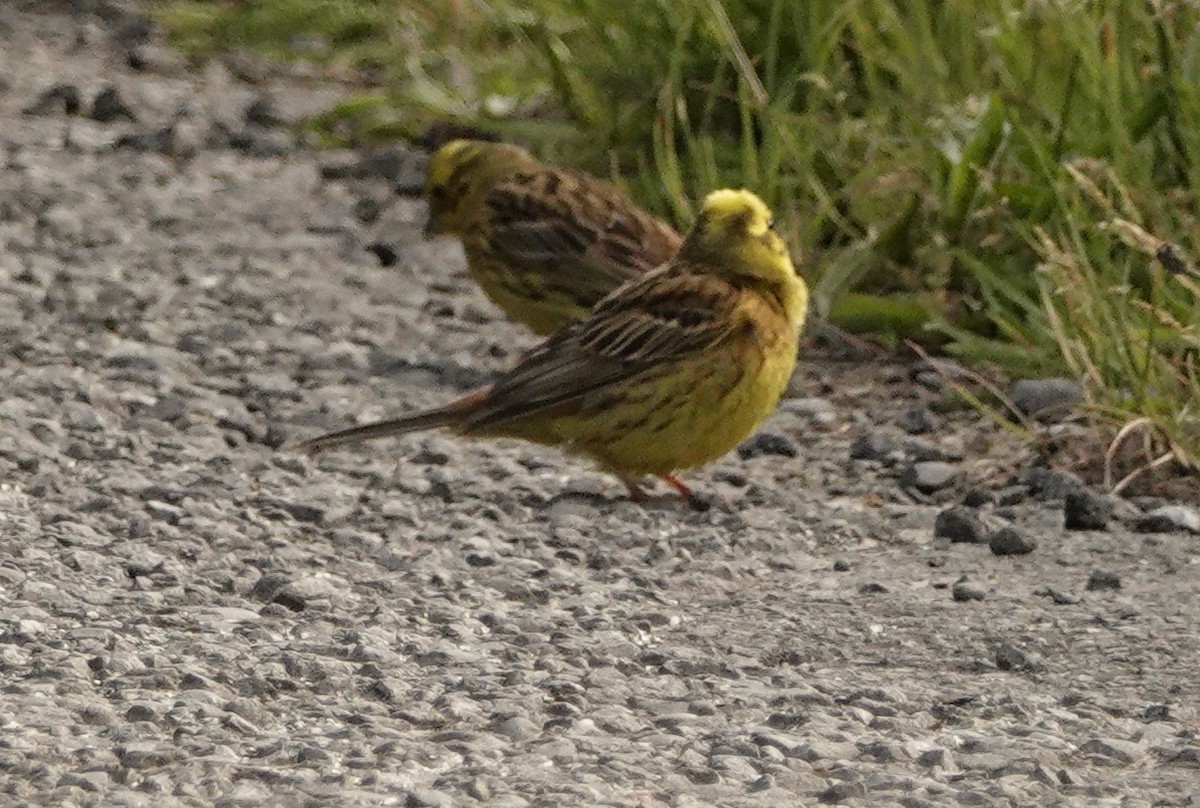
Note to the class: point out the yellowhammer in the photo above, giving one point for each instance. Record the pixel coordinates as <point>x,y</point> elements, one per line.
<point>545,244</point>
<point>669,372</point>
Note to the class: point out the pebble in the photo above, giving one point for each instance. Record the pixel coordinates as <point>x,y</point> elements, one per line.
<point>1011,540</point>
<point>1116,750</point>
<point>767,443</point>
<point>1046,399</point>
<point>1169,519</point>
<point>1049,485</point>
<point>967,590</point>
<point>1010,658</point>
<point>60,99</point>
<point>108,106</point>
<point>874,446</point>
<point>1102,581</point>
<point>918,421</point>
<point>930,476</point>
<point>960,524</point>
<point>1086,509</point>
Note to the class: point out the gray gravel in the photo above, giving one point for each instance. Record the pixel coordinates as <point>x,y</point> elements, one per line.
<point>189,616</point>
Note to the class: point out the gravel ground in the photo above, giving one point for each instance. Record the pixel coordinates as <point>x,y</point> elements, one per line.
<point>190,617</point>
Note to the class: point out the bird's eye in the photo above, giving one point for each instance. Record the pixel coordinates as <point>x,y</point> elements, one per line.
<point>770,224</point>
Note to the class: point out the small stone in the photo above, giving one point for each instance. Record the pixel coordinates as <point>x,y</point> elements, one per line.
<point>979,497</point>
<point>964,591</point>
<point>1102,581</point>
<point>767,443</point>
<point>1156,712</point>
<point>1057,596</point>
<point>1049,485</point>
<point>1086,510</point>
<point>262,112</point>
<point>808,407</point>
<point>1169,519</point>
<point>960,524</point>
<point>841,565</point>
<point>1122,751</point>
<point>385,253</point>
<point>840,792</point>
<point>61,99</point>
<point>872,589</point>
<point>1010,540</point>
<point>108,106</point>
<point>930,476</point>
<point>367,209</point>
<point>918,421</point>
<point>1046,399</point>
<point>1010,658</point>
<point>873,446</point>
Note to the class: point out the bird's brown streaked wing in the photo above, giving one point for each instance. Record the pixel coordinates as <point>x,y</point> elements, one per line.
<point>661,320</point>
<point>579,238</point>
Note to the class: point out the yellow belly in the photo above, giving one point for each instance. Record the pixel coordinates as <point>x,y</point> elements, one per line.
<point>681,421</point>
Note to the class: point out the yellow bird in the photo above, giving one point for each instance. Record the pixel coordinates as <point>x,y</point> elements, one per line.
<point>545,244</point>
<point>669,372</point>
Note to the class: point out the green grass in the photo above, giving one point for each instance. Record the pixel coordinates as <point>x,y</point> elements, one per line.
<point>967,173</point>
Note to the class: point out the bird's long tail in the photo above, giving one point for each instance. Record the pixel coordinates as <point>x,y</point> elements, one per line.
<point>451,415</point>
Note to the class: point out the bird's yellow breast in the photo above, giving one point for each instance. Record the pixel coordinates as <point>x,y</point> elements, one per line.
<point>692,414</point>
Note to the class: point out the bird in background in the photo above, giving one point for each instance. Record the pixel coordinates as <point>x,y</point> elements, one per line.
<point>669,372</point>
<point>545,244</point>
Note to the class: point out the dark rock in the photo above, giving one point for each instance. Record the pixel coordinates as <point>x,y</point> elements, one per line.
<point>1010,540</point>
<point>872,589</point>
<point>262,112</point>
<point>930,476</point>
<point>61,99</point>
<point>1057,596</point>
<point>1086,510</point>
<point>161,141</point>
<point>873,446</point>
<point>841,792</point>
<point>841,565</point>
<point>934,373</point>
<point>919,450</point>
<point>1100,581</point>
<point>960,524</point>
<point>967,590</point>
<point>1049,485</point>
<point>978,497</point>
<point>367,210</point>
<point>259,142</point>
<point>1169,519</point>
<point>1010,658</point>
<point>108,106</point>
<point>386,253</point>
<point>1156,712</point>
<point>767,443</point>
<point>918,421</point>
<point>1045,399</point>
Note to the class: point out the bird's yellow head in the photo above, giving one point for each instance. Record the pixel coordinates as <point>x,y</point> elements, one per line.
<point>734,237</point>
<point>448,182</point>
<point>458,171</point>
